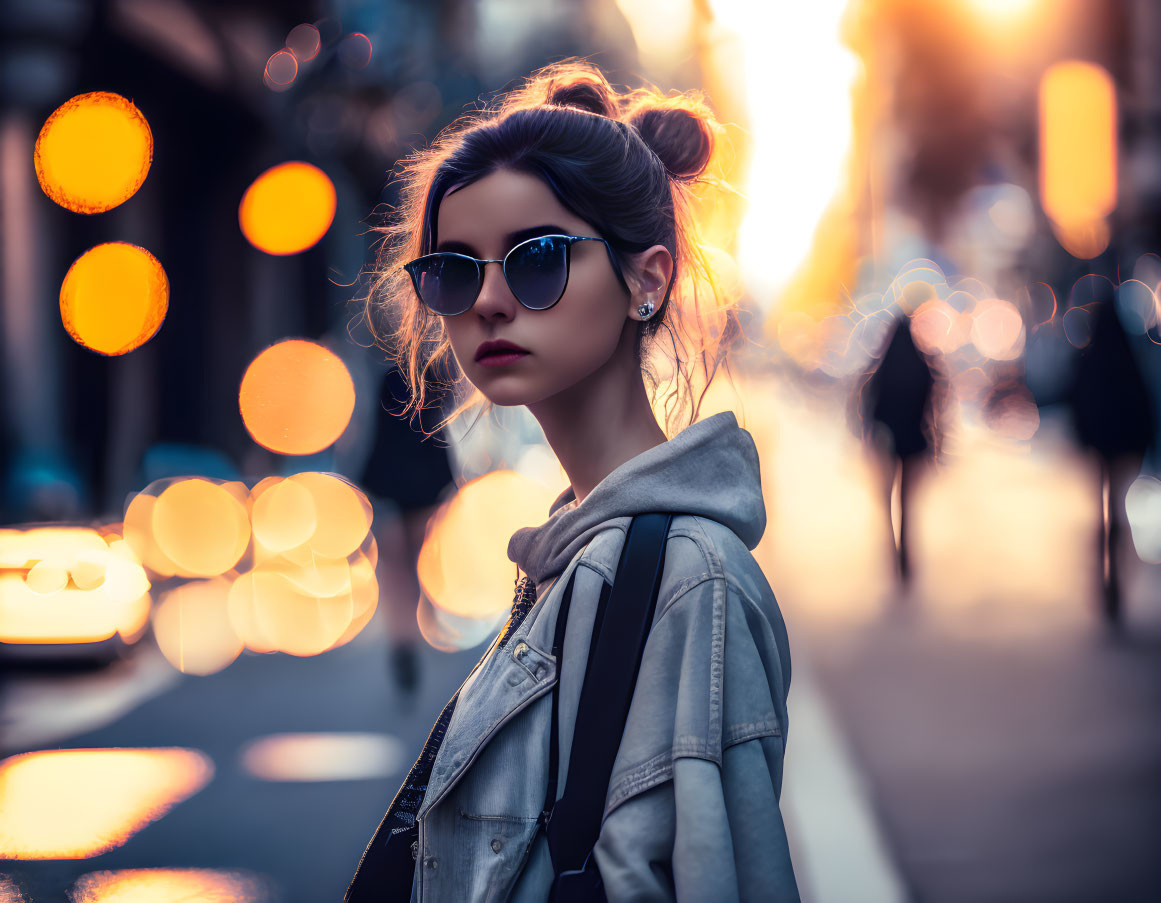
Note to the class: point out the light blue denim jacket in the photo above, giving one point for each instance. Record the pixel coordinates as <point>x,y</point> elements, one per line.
<point>692,810</point>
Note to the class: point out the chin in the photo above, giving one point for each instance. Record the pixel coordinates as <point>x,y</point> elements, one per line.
<point>504,396</point>
<point>512,394</point>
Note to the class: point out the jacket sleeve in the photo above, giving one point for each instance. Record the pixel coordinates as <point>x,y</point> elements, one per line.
<point>708,825</point>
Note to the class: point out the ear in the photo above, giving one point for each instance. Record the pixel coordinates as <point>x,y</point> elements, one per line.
<point>652,270</point>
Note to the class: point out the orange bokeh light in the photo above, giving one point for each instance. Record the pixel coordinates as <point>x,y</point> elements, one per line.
<point>78,803</point>
<point>114,298</point>
<point>93,152</point>
<point>201,527</point>
<point>296,398</point>
<point>288,208</point>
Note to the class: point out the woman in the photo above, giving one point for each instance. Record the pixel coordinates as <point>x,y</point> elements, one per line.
<point>584,194</point>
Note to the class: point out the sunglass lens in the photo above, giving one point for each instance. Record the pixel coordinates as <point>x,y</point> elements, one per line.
<point>446,284</point>
<point>538,270</point>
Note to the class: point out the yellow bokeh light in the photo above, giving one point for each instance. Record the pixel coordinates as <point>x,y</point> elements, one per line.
<point>77,589</point>
<point>78,803</point>
<point>138,525</point>
<point>93,152</point>
<point>193,629</point>
<point>243,617</point>
<point>272,608</point>
<point>201,527</point>
<point>365,598</point>
<point>344,514</point>
<point>45,578</point>
<point>284,516</point>
<point>20,549</point>
<point>463,564</point>
<point>296,397</point>
<point>303,608</point>
<point>1078,154</point>
<point>114,298</point>
<point>288,208</point>
<point>170,886</point>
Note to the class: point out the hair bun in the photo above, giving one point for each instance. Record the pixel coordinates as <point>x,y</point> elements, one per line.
<point>680,130</point>
<point>586,91</point>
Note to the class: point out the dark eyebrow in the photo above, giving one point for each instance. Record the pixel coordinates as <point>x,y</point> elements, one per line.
<point>510,240</point>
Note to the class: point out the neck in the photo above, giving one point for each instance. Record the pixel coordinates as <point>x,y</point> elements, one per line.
<point>600,423</point>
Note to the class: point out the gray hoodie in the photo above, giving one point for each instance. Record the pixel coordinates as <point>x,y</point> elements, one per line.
<point>692,810</point>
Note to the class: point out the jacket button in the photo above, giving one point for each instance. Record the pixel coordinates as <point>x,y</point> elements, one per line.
<point>497,844</point>
<point>431,863</point>
<point>519,650</point>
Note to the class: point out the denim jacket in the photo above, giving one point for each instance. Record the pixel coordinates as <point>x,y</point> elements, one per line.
<point>692,808</point>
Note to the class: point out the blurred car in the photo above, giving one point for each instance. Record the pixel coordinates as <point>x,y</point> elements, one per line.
<point>69,593</point>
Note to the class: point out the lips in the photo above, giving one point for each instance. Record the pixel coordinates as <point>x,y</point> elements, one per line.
<point>497,347</point>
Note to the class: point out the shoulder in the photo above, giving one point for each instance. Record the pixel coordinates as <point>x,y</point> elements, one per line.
<point>715,671</point>
<point>709,580</point>
<point>697,549</point>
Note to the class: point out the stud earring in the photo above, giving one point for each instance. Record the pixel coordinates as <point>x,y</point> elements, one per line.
<point>646,310</point>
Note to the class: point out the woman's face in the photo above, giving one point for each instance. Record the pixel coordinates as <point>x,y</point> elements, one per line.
<point>567,342</point>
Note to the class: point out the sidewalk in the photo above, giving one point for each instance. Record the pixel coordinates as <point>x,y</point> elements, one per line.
<point>1007,747</point>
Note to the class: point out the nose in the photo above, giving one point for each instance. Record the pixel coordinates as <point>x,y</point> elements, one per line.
<point>495,295</point>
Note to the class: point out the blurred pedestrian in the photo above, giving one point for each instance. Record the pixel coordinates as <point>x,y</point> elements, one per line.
<point>407,475</point>
<point>898,422</point>
<point>1113,417</point>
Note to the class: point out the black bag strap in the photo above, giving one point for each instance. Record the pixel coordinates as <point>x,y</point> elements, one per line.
<point>574,822</point>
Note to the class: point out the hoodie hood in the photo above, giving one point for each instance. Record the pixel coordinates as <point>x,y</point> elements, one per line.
<point>709,469</point>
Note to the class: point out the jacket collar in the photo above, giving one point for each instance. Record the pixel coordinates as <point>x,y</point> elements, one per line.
<point>710,469</point>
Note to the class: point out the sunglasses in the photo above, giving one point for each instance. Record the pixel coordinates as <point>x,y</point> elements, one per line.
<point>536,271</point>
